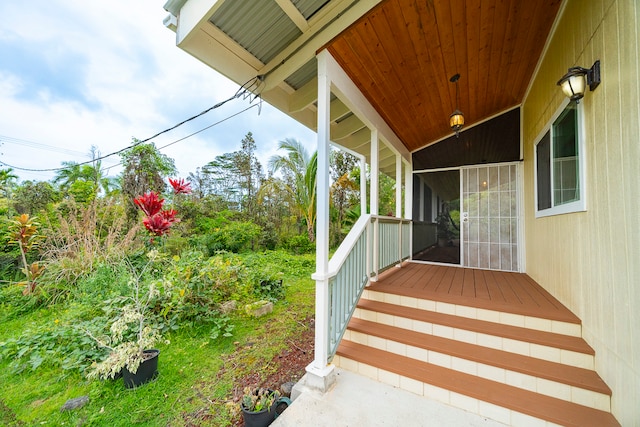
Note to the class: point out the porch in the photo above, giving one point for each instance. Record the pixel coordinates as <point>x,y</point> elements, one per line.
<point>494,344</point>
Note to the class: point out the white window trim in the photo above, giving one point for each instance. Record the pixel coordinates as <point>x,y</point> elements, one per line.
<point>578,205</point>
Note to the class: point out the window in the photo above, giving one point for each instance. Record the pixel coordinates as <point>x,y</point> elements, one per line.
<point>559,160</point>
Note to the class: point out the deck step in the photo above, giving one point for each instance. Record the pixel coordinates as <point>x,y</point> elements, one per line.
<point>496,312</point>
<point>578,385</point>
<point>452,386</point>
<point>415,319</point>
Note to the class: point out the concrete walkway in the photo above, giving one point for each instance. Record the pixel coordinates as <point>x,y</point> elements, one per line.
<point>357,401</point>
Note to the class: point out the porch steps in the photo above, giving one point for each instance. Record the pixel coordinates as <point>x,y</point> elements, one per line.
<point>547,345</point>
<point>472,393</point>
<point>513,374</point>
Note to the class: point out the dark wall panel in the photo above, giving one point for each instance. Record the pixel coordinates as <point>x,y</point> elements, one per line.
<point>494,141</point>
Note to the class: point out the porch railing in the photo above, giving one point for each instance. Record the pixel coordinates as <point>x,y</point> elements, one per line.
<point>373,245</point>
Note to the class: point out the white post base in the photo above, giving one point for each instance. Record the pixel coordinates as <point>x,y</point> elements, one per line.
<point>315,380</point>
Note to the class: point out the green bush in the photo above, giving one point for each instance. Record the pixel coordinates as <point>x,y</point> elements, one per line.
<point>233,237</point>
<point>193,287</point>
<point>66,346</point>
<point>299,244</point>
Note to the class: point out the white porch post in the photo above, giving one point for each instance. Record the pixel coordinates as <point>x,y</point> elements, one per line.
<point>398,186</point>
<point>374,171</point>
<point>363,186</point>
<point>408,201</point>
<point>320,373</point>
<point>408,191</point>
<point>375,256</point>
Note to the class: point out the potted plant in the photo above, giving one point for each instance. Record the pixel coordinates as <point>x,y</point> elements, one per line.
<point>260,406</point>
<point>132,337</point>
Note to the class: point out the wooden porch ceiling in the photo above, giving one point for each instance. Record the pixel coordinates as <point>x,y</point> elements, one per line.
<point>402,54</point>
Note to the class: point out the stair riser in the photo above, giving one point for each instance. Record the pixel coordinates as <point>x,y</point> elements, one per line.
<point>529,322</point>
<point>494,412</point>
<point>551,354</point>
<point>504,376</point>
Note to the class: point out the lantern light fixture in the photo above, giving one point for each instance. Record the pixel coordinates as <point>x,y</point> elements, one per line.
<point>573,83</point>
<point>456,119</point>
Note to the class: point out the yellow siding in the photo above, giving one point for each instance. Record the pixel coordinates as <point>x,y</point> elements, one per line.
<point>591,260</point>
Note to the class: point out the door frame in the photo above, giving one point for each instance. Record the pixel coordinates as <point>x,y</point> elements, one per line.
<point>519,210</point>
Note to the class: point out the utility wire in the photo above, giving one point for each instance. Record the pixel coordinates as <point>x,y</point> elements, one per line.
<point>243,92</point>
<point>198,131</point>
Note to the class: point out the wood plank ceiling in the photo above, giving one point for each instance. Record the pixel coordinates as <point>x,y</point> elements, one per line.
<point>402,54</point>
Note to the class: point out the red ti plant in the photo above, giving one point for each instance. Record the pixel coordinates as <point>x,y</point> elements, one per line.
<point>180,186</point>
<point>158,221</point>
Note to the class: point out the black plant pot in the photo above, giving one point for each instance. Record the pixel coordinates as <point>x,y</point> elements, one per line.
<point>265,417</point>
<point>147,371</point>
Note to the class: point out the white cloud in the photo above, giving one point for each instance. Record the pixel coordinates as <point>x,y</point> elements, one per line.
<point>98,73</point>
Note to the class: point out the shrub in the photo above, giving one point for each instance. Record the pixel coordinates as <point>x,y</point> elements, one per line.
<point>194,287</point>
<point>55,345</point>
<point>299,244</point>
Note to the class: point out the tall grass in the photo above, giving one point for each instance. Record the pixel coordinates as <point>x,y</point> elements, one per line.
<point>79,238</point>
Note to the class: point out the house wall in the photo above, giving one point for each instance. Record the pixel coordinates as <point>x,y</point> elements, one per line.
<point>591,260</point>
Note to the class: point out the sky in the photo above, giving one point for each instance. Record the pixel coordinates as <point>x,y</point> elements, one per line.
<point>77,73</point>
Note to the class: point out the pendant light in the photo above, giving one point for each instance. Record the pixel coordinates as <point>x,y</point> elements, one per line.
<point>456,119</point>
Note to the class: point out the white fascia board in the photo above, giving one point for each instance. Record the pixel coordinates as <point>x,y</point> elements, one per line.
<point>192,15</point>
<point>348,92</point>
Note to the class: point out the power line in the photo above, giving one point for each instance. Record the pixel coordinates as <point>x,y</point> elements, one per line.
<point>197,132</point>
<point>243,92</point>
<point>33,144</point>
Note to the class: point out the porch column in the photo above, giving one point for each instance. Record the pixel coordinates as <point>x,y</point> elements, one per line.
<point>398,186</point>
<point>408,191</point>
<point>320,374</point>
<point>374,256</point>
<point>363,186</point>
<point>374,171</point>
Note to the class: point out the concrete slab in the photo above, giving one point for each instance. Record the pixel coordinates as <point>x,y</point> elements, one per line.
<point>356,401</point>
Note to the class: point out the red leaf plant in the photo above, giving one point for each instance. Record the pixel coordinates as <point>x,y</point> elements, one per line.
<point>158,221</point>
<point>149,203</point>
<point>180,186</point>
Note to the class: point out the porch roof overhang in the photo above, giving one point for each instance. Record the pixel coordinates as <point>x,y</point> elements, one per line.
<point>399,53</point>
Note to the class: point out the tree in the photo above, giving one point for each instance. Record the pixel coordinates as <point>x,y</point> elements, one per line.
<point>34,196</point>
<point>275,204</point>
<point>7,181</point>
<point>223,179</point>
<point>250,171</point>
<point>343,190</point>
<point>67,175</point>
<point>145,169</point>
<point>84,181</point>
<point>236,177</point>
<point>299,170</point>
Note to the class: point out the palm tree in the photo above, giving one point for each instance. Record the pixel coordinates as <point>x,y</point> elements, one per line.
<point>67,175</point>
<point>7,178</point>
<point>299,170</point>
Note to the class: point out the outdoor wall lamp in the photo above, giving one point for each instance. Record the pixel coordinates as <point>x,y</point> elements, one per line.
<point>456,119</point>
<point>573,83</point>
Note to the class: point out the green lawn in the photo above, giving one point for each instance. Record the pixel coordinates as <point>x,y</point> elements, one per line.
<point>190,383</point>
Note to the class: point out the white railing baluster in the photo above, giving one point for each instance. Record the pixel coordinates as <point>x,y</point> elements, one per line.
<point>355,262</point>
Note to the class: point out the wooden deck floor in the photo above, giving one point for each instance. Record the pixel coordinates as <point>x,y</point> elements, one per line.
<point>493,290</point>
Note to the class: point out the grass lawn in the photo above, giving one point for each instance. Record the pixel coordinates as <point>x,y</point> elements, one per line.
<point>199,380</point>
